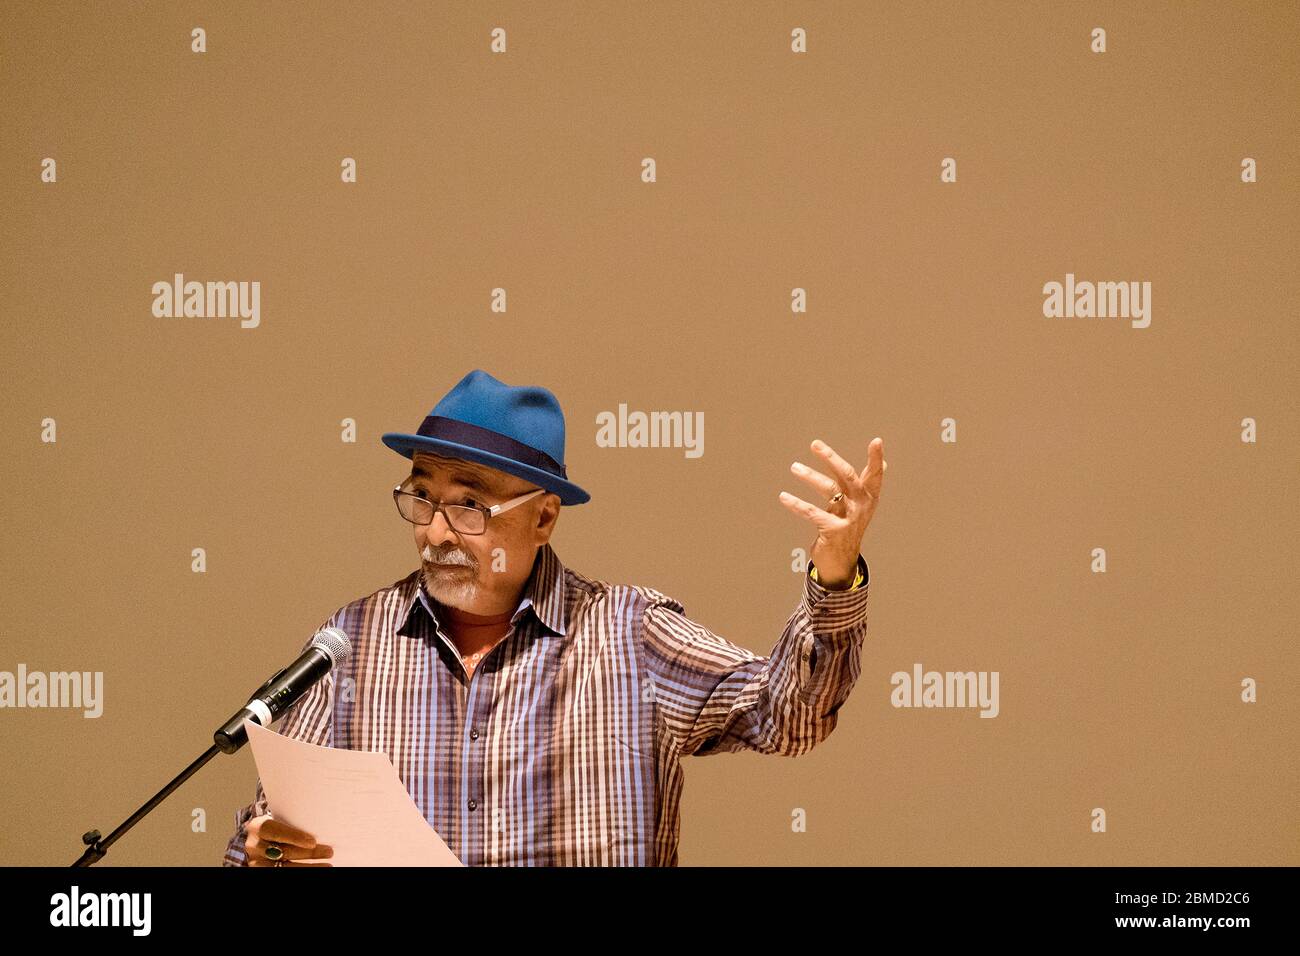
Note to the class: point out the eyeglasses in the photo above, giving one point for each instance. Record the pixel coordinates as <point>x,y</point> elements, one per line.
<point>467,519</point>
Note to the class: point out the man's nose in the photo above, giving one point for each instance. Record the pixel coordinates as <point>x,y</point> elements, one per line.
<point>439,533</point>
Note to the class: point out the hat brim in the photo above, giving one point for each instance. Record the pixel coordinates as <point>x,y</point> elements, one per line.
<point>408,445</point>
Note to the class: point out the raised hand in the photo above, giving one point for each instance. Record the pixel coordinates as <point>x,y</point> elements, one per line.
<point>840,523</point>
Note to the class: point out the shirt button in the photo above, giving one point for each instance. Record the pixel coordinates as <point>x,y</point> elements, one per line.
<point>473,734</point>
<point>473,804</point>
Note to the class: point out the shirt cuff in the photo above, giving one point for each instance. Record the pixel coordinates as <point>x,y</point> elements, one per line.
<point>859,579</point>
<point>837,617</point>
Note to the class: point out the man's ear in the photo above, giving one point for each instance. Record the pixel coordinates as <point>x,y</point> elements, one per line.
<point>547,515</point>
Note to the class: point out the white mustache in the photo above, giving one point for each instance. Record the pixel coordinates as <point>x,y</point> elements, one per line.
<point>456,557</point>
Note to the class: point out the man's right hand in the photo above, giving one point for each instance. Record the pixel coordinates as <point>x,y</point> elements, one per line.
<point>297,844</point>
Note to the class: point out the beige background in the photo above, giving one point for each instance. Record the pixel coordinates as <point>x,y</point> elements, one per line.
<point>774,171</point>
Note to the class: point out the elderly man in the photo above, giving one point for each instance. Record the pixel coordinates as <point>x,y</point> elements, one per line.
<point>538,716</point>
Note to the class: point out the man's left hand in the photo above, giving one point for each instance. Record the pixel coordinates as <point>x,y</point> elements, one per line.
<point>841,525</point>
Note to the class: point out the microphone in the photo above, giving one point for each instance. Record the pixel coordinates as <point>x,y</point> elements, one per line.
<point>329,648</point>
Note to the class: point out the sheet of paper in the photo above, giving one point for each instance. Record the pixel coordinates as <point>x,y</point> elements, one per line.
<point>352,800</point>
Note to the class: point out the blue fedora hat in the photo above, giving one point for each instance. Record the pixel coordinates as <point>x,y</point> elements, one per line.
<point>517,429</point>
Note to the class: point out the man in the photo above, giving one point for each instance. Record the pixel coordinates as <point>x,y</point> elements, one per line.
<point>538,716</point>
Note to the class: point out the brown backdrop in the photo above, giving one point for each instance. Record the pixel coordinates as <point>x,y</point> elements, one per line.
<point>775,170</point>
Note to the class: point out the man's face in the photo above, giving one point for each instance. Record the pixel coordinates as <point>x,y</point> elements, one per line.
<point>480,573</point>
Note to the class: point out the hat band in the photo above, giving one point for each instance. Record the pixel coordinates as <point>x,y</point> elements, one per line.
<point>463,433</point>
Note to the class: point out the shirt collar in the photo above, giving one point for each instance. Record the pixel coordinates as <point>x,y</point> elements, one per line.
<point>544,593</point>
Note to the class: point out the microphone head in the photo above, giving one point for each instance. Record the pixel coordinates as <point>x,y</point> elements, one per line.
<point>334,643</point>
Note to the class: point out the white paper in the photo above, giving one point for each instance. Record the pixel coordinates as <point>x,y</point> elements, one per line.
<point>351,800</point>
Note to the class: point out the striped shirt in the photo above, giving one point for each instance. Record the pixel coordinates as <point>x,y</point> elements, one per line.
<point>563,747</point>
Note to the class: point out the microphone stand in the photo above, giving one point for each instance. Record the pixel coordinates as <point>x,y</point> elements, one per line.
<point>97,846</point>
